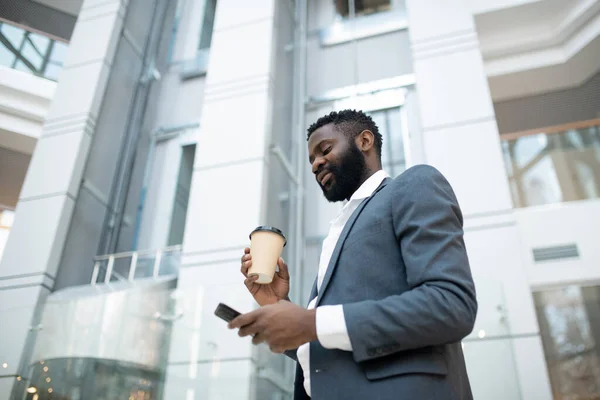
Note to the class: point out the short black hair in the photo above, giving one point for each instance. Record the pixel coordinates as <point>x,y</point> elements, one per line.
<point>351,123</point>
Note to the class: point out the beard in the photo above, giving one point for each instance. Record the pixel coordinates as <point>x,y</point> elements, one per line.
<point>347,175</point>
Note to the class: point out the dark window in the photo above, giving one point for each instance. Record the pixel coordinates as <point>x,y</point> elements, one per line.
<point>362,7</point>
<point>208,22</point>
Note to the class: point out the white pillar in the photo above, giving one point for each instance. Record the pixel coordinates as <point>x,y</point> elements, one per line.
<point>460,138</point>
<point>227,201</point>
<point>43,214</point>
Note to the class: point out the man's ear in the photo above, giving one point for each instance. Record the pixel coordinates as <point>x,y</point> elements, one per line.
<point>365,140</point>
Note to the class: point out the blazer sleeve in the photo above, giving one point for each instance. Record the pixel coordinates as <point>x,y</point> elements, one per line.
<point>440,306</point>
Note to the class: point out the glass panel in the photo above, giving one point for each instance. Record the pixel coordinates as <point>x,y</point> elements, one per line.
<point>552,168</point>
<point>13,34</point>
<point>182,195</point>
<point>569,319</point>
<point>145,266</point>
<point>33,48</point>
<point>20,66</point>
<point>52,71</point>
<point>492,369</point>
<point>389,122</point>
<point>30,54</point>
<point>40,42</point>
<point>59,52</point>
<point>7,58</point>
<point>207,24</point>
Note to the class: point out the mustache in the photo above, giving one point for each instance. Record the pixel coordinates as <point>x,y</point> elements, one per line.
<point>325,170</point>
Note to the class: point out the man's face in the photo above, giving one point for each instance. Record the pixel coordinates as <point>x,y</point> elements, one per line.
<point>338,164</point>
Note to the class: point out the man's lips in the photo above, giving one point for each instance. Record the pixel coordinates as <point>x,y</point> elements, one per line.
<point>326,178</point>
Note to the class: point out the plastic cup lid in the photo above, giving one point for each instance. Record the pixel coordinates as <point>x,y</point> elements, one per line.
<point>270,229</point>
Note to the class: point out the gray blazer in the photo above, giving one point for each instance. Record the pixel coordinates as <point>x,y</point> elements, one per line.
<point>401,271</point>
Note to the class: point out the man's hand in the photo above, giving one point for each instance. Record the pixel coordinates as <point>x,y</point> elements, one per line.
<point>271,293</point>
<point>283,326</point>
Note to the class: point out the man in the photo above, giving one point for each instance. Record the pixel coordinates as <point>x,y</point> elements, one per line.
<point>394,294</point>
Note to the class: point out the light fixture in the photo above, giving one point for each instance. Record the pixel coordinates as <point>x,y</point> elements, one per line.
<point>42,362</point>
<point>31,389</point>
<point>4,365</point>
<point>46,368</point>
<point>35,397</point>
<point>48,379</point>
<point>481,334</point>
<point>18,378</point>
<point>50,390</point>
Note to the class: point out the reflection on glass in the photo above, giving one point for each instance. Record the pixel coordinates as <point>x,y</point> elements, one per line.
<point>569,320</point>
<point>30,52</point>
<point>68,378</point>
<point>552,168</point>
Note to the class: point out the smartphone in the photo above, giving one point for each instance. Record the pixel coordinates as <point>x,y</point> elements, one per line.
<point>226,313</point>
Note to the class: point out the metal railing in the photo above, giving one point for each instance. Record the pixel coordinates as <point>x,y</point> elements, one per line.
<point>28,50</point>
<point>155,263</point>
<point>553,164</point>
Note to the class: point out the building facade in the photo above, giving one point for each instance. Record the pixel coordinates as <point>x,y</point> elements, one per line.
<point>142,140</point>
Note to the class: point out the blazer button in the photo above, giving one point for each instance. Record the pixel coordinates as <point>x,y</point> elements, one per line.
<point>317,371</point>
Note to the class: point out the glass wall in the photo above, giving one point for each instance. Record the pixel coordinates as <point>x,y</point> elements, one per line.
<point>31,52</point>
<point>558,166</point>
<point>569,319</point>
<point>390,126</point>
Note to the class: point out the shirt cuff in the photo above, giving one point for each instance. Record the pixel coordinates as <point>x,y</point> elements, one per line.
<point>331,328</point>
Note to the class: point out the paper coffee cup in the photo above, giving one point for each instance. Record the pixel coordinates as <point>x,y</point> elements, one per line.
<point>266,244</point>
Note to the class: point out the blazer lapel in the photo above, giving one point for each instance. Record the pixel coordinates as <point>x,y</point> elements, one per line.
<point>338,247</point>
<point>313,291</point>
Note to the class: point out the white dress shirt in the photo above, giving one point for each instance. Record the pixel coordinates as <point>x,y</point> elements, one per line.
<point>331,324</point>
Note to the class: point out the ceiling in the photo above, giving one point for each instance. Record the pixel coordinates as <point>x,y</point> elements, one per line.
<point>539,46</point>
<point>70,7</point>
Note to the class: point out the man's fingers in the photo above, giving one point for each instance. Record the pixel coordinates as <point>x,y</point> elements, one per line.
<point>283,273</point>
<point>258,339</point>
<point>276,349</point>
<point>248,330</point>
<point>246,264</point>
<point>249,282</point>
<point>244,319</point>
<point>247,250</point>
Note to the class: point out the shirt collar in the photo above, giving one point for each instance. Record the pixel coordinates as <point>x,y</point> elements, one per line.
<point>369,186</point>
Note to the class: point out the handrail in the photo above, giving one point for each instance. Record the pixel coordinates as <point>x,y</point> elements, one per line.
<point>134,255</point>
<point>33,30</point>
<point>551,129</point>
<point>139,252</point>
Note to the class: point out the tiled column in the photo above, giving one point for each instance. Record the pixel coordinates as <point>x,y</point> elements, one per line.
<point>43,214</point>
<point>227,201</point>
<point>460,137</point>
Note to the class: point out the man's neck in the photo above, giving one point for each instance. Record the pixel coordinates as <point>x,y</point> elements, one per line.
<point>369,173</point>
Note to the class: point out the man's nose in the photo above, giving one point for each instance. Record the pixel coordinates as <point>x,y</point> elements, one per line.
<point>316,165</point>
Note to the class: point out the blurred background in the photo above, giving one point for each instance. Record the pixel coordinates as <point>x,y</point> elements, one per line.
<point>142,140</point>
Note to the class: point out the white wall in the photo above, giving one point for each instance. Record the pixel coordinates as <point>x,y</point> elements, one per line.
<point>559,224</point>
<point>483,6</point>
<point>24,103</point>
